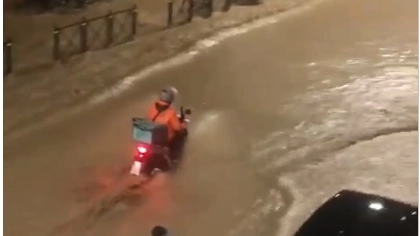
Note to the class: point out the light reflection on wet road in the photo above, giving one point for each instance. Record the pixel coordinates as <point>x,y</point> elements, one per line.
<point>321,101</point>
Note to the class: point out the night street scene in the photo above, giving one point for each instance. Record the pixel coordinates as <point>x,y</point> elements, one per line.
<point>210,117</point>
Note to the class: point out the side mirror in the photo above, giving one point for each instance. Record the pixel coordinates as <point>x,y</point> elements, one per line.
<point>188,112</point>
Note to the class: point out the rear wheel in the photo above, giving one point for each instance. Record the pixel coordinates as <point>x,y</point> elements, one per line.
<point>156,162</point>
<point>147,167</point>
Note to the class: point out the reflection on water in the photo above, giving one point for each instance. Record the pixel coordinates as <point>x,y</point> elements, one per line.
<point>377,97</point>
<point>352,99</point>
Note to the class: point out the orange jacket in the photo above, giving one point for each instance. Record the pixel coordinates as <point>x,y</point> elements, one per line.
<point>168,116</point>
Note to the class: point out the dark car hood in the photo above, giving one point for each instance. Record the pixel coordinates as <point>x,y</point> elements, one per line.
<point>351,213</point>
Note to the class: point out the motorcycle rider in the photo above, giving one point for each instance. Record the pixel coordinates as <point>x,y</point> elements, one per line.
<point>162,111</point>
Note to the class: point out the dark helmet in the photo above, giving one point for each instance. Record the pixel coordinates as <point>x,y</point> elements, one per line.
<point>168,94</point>
<point>159,231</point>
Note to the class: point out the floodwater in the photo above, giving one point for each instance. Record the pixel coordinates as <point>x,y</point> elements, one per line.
<point>283,117</point>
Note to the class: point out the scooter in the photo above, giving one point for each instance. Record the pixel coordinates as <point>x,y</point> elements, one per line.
<point>153,151</point>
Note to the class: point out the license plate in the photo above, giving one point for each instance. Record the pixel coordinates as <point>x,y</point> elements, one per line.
<point>136,168</point>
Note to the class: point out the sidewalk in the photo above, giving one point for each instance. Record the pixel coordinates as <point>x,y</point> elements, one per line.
<point>35,94</point>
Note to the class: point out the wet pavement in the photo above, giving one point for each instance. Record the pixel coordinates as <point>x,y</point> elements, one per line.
<point>283,117</point>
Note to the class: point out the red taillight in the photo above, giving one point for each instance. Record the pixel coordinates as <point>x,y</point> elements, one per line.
<point>142,150</point>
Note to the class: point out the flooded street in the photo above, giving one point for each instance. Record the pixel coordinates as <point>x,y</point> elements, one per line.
<point>283,117</point>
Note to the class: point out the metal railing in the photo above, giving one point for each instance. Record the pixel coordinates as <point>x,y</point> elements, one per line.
<point>7,57</point>
<point>113,28</point>
<point>95,33</point>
